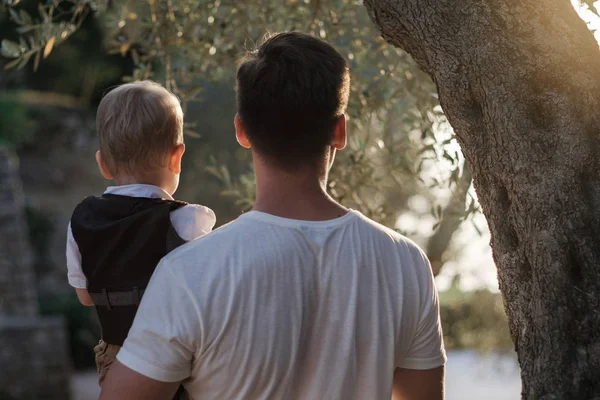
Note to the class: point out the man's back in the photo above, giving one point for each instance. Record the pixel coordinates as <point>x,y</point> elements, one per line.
<point>274,308</point>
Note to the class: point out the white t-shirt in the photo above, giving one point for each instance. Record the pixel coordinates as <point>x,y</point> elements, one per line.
<point>190,222</point>
<point>272,308</point>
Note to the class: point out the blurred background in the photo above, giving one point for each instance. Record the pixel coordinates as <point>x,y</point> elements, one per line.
<point>402,167</point>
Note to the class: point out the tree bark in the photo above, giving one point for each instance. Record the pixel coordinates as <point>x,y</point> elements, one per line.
<point>520,83</point>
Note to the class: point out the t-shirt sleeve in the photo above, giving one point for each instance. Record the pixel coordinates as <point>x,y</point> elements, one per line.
<point>192,221</point>
<point>164,337</point>
<point>427,348</point>
<point>75,274</point>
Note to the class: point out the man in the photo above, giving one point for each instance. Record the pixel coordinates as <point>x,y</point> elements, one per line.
<point>299,298</point>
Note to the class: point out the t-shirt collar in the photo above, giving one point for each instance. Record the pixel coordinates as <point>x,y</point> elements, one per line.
<point>295,223</point>
<point>139,190</point>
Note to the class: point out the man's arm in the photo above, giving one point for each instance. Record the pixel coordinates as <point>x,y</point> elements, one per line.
<point>411,384</point>
<point>419,373</point>
<point>126,384</point>
<point>159,350</point>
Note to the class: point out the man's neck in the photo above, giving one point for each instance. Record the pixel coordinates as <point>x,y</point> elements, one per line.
<point>300,194</point>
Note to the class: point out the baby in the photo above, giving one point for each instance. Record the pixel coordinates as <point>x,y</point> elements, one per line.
<point>115,241</point>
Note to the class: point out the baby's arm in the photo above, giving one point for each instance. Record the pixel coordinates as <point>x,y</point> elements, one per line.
<point>84,297</point>
<point>74,272</point>
<point>192,221</point>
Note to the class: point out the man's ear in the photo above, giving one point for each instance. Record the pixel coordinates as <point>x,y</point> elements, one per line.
<point>175,158</point>
<point>240,133</point>
<point>338,141</point>
<point>102,166</point>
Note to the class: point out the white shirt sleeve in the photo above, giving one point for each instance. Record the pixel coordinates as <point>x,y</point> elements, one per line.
<point>192,221</point>
<point>427,348</point>
<point>75,274</point>
<point>166,331</point>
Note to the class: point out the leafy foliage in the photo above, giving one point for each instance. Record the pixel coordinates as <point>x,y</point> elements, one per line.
<point>55,22</point>
<point>14,122</point>
<point>398,135</point>
<point>397,130</point>
<point>590,5</point>
<point>474,319</point>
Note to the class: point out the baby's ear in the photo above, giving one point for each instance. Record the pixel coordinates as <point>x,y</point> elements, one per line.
<point>175,159</point>
<point>102,166</point>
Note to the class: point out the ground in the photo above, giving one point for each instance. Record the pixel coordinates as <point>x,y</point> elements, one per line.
<point>469,376</point>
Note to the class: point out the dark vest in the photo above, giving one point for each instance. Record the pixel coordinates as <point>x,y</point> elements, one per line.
<point>121,239</point>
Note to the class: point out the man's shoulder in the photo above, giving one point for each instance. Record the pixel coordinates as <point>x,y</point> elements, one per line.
<point>395,246</point>
<point>400,252</point>
<point>383,232</point>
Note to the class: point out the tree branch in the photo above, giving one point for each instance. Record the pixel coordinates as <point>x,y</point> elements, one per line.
<point>452,216</point>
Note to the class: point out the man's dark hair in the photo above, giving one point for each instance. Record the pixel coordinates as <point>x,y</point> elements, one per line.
<point>290,94</point>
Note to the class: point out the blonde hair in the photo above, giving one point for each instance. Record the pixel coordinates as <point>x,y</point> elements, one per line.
<point>138,125</point>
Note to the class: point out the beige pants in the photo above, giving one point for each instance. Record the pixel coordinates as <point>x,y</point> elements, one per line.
<point>106,355</point>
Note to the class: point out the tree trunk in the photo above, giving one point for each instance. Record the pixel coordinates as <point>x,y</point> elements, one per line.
<point>520,83</point>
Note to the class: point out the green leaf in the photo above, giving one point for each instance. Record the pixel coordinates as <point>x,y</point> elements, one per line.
<point>25,28</point>
<point>231,193</point>
<point>24,60</point>
<point>32,40</point>
<point>25,17</point>
<point>453,177</point>
<point>135,56</point>
<point>213,170</point>
<point>10,49</point>
<point>192,133</point>
<point>23,43</point>
<point>590,4</point>
<point>476,228</point>
<point>12,64</point>
<point>191,92</point>
<point>43,13</point>
<point>425,149</point>
<point>225,174</point>
<point>449,157</point>
<point>14,15</point>
<point>36,60</point>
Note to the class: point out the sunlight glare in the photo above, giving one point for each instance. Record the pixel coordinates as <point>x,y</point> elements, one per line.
<point>589,17</point>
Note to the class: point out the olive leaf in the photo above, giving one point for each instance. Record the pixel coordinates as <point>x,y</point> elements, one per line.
<point>10,49</point>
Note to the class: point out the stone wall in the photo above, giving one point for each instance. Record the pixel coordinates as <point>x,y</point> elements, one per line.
<point>33,354</point>
<point>33,359</point>
<point>17,280</point>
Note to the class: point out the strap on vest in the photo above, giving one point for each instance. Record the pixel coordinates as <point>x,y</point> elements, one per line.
<point>124,298</point>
